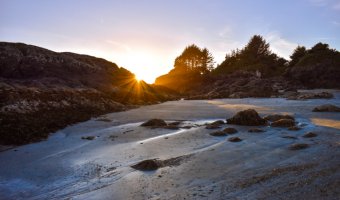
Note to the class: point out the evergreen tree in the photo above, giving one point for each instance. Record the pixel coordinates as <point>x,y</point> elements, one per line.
<point>299,52</point>
<point>194,59</point>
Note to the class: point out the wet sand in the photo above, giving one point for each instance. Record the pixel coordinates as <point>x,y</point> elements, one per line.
<point>261,166</point>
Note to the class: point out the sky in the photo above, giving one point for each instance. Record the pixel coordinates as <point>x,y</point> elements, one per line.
<point>145,36</point>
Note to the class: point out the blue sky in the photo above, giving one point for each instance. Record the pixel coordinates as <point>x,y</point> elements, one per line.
<point>145,36</point>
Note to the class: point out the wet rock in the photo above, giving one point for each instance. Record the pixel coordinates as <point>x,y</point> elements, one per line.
<point>218,122</point>
<point>88,137</point>
<point>327,108</point>
<point>234,139</point>
<point>289,137</point>
<point>247,117</point>
<point>174,127</point>
<point>309,135</point>
<point>304,96</point>
<point>210,126</point>
<point>256,130</point>
<point>147,165</point>
<point>153,164</point>
<point>104,119</point>
<point>218,133</point>
<point>298,146</point>
<point>276,117</point>
<point>230,130</point>
<point>215,125</point>
<point>283,123</point>
<point>155,123</point>
<point>174,123</point>
<point>294,128</point>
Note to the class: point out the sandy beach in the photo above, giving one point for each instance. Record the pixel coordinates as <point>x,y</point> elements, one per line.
<point>261,166</point>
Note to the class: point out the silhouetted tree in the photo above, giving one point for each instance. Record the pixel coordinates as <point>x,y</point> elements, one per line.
<point>319,47</point>
<point>298,53</point>
<point>194,59</point>
<point>255,56</point>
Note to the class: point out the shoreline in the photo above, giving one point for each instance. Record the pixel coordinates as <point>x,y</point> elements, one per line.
<point>216,168</point>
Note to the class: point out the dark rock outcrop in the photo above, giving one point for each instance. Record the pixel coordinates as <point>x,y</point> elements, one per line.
<point>305,96</point>
<point>42,91</point>
<point>309,135</point>
<point>230,130</point>
<point>298,146</point>
<point>247,118</point>
<point>215,125</point>
<point>256,130</point>
<point>327,108</point>
<point>218,133</point>
<point>294,128</point>
<point>155,123</point>
<point>234,139</point>
<point>283,123</point>
<point>276,117</point>
<point>147,165</point>
<point>240,84</point>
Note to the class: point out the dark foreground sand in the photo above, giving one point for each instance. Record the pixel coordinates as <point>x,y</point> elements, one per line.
<point>261,166</point>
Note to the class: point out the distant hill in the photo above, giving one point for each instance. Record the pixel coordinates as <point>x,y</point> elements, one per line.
<point>42,91</point>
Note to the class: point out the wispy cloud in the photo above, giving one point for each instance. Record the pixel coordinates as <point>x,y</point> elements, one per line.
<point>336,6</point>
<point>333,4</point>
<point>336,23</point>
<point>119,45</point>
<point>279,45</point>
<point>319,2</point>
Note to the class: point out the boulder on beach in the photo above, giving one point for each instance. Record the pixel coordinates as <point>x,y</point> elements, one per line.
<point>276,117</point>
<point>294,128</point>
<point>155,123</point>
<point>215,125</point>
<point>88,137</point>
<point>147,165</point>
<point>309,135</point>
<point>298,146</point>
<point>256,130</point>
<point>230,130</point>
<point>218,133</point>
<point>247,118</point>
<point>234,139</point>
<point>283,123</point>
<point>327,108</point>
<point>218,122</point>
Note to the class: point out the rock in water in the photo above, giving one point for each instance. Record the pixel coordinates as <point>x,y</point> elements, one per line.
<point>309,135</point>
<point>147,165</point>
<point>256,130</point>
<point>247,118</point>
<point>327,108</point>
<point>276,117</point>
<point>218,133</point>
<point>155,123</point>
<point>234,139</point>
<point>298,146</point>
<point>294,128</point>
<point>283,123</point>
<point>230,130</point>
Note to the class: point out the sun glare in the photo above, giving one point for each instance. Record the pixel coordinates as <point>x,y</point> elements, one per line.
<point>138,78</point>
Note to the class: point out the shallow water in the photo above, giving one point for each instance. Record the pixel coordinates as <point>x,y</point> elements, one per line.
<point>66,166</point>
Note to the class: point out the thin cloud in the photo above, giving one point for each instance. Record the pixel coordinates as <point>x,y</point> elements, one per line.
<point>336,6</point>
<point>119,45</point>
<point>279,45</point>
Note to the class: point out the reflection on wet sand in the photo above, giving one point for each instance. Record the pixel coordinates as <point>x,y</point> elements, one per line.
<point>326,122</point>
